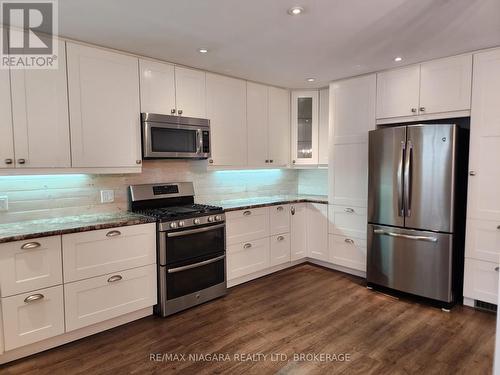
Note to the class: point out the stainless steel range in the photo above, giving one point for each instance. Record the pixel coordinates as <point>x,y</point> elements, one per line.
<point>191,244</point>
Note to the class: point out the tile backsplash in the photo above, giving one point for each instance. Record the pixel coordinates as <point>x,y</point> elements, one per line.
<point>313,181</point>
<point>33,197</point>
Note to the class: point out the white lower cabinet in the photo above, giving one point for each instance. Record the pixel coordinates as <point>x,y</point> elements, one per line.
<point>279,219</point>
<point>101,298</point>
<point>280,249</point>
<point>348,252</point>
<point>483,240</point>
<point>247,225</point>
<point>247,257</point>
<point>298,231</point>
<point>348,221</point>
<point>32,317</point>
<point>317,231</point>
<point>481,280</point>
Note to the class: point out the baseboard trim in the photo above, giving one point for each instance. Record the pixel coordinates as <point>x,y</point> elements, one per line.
<point>335,267</point>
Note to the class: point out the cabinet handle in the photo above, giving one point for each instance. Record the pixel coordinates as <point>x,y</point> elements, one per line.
<point>210,161</point>
<point>9,161</point>
<point>348,240</point>
<point>267,161</point>
<point>30,245</point>
<point>34,297</point>
<point>279,208</point>
<point>113,233</point>
<point>472,173</point>
<point>21,161</point>
<point>498,227</point>
<point>497,268</point>
<point>138,161</point>
<point>293,161</point>
<point>179,111</point>
<point>172,111</point>
<point>414,110</point>
<point>422,109</point>
<point>280,238</point>
<point>292,210</point>
<point>271,161</point>
<point>349,210</point>
<point>247,246</point>
<point>247,213</point>
<point>114,278</point>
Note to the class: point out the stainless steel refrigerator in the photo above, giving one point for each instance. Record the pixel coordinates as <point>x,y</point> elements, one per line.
<point>415,209</point>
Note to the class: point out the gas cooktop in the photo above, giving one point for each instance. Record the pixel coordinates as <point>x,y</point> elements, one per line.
<point>180,212</point>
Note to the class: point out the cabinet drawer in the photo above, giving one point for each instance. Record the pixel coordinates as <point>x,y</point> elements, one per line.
<point>348,221</point>
<point>247,225</point>
<point>481,280</point>
<point>100,298</point>
<point>100,252</point>
<point>280,249</point>
<point>279,219</point>
<point>27,322</point>
<point>483,240</point>
<point>30,265</point>
<point>248,257</point>
<point>348,252</point>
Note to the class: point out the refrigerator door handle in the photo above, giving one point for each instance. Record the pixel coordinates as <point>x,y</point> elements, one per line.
<point>406,236</point>
<point>400,177</point>
<point>407,178</point>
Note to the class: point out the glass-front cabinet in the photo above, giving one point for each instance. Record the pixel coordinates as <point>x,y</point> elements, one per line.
<point>305,127</point>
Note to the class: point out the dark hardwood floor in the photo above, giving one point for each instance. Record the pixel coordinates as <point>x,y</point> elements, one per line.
<point>306,309</point>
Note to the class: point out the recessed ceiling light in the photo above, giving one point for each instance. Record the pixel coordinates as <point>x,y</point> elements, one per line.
<point>398,59</point>
<point>202,50</point>
<point>295,11</point>
<point>311,79</point>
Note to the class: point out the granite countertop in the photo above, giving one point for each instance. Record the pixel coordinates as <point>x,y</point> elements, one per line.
<point>24,230</point>
<point>255,202</point>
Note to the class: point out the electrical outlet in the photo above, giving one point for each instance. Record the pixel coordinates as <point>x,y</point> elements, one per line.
<point>107,196</point>
<point>4,203</point>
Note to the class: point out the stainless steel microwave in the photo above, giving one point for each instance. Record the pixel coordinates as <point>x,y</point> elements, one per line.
<point>174,137</point>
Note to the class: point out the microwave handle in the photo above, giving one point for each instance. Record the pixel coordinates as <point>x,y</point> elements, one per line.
<point>199,141</point>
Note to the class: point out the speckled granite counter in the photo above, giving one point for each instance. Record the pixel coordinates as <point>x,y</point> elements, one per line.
<point>24,230</point>
<point>247,203</point>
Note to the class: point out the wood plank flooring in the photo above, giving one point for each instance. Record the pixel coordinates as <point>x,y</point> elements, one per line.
<point>306,309</point>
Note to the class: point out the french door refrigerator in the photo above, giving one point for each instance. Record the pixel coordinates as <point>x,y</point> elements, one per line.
<point>413,207</point>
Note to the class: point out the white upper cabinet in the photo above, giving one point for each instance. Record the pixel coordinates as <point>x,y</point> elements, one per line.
<point>305,127</point>
<point>190,92</point>
<point>104,108</point>
<point>398,92</point>
<point>226,109</point>
<point>6,134</point>
<point>279,126</point>
<point>40,116</point>
<point>484,179</point>
<point>323,126</point>
<point>157,87</point>
<point>353,108</point>
<point>257,124</point>
<point>445,85</point>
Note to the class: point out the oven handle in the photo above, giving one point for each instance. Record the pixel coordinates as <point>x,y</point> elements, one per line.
<point>192,231</point>
<point>188,267</point>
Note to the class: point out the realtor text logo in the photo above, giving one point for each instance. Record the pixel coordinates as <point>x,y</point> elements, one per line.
<point>28,34</point>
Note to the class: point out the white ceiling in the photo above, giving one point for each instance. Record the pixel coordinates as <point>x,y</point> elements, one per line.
<point>258,40</point>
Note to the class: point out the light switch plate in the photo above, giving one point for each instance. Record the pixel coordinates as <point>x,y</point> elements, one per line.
<point>107,196</point>
<point>4,203</point>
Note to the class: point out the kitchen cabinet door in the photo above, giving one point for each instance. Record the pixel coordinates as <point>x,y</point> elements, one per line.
<point>280,249</point>
<point>317,231</point>
<point>6,132</point>
<point>104,108</point>
<point>279,127</point>
<point>226,109</point>
<point>257,124</point>
<point>445,85</point>
<point>348,252</point>
<point>190,92</point>
<point>484,176</point>
<point>353,108</point>
<point>248,257</point>
<point>398,92</point>
<point>157,87</point>
<point>40,116</point>
<point>305,127</point>
<point>279,219</point>
<point>481,280</point>
<point>323,126</point>
<point>483,240</point>
<point>298,231</point>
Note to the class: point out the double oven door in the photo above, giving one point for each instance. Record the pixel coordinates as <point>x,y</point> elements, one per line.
<point>192,267</point>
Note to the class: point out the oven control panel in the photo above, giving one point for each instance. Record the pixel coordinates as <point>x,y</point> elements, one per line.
<point>190,223</point>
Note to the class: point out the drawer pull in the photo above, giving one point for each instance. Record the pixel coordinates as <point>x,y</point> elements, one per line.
<point>31,245</point>
<point>279,208</point>
<point>280,238</point>
<point>114,278</point>
<point>348,240</point>
<point>498,227</point>
<point>33,298</point>
<point>113,233</point>
<point>497,268</point>
<point>349,210</point>
<point>247,246</point>
<point>247,213</point>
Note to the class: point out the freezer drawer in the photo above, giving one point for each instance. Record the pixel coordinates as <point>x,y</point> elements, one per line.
<point>416,262</point>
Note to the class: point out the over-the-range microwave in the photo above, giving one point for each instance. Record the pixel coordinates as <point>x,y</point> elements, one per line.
<point>174,137</point>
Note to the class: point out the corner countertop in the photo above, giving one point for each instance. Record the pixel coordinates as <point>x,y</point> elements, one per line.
<point>255,202</point>
<point>25,230</point>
